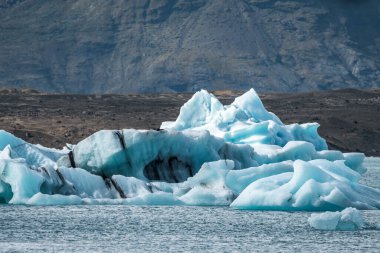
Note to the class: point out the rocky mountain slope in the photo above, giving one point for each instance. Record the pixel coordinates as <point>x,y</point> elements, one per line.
<point>95,46</point>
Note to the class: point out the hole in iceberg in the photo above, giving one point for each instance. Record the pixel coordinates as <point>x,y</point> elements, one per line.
<point>169,169</point>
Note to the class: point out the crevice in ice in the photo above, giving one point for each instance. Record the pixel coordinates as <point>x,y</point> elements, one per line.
<point>107,182</point>
<point>72,160</point>
<point>112,184</point>
<point>118,188</point>
<point>60,175</point>
<point>54,182</point>
<point>120,135</point>
<point>6,193</point>
<point>171,170</point>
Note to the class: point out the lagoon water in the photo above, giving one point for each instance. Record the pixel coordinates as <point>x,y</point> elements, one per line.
<point>178,228</point>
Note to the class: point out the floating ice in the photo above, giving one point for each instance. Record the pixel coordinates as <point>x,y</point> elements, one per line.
<point>239,155</point>
<point>244,121</point>
<point>314,185</point>
<point>348,219</point>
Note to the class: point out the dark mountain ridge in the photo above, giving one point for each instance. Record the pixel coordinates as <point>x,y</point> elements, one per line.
<point>93,46</point>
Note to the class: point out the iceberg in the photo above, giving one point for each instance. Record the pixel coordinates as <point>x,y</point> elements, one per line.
<point>244,121</point>
<point>239,155</point>
<point>348,219</point>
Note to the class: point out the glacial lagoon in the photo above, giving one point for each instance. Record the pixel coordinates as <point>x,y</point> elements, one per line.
<point>120,228</point>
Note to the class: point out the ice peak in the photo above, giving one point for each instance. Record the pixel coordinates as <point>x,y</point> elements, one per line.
<point>245,121</point>
<point>253,107</point>
<point>203,107</point>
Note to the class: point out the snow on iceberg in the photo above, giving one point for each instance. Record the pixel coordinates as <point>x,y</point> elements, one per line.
<point>239,155</point>
<point>348,219</point>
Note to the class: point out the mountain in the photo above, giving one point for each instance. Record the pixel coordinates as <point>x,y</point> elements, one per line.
<point>117,46</point>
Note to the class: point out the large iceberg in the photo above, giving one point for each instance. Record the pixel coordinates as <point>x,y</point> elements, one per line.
<point>239,155</point>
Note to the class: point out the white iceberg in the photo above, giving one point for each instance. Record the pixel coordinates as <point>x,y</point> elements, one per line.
<point>238,155</point>
<point>348,219</point>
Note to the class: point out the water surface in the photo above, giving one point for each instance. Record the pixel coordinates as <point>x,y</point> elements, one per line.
<point>177,228</point>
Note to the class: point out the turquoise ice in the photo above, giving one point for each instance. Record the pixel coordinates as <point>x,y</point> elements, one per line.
<point>239,155</point>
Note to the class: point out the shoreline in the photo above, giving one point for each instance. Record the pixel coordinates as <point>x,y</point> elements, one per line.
<point>349,118</point>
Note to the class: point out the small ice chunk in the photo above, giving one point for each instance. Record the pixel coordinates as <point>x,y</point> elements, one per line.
<point>348,219</point>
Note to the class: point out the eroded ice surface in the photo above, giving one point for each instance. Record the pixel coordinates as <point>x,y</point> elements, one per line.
<point>348,219</point>
<point>238,155</point>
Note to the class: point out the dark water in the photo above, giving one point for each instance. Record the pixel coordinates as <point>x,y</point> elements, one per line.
<point>176,229</point>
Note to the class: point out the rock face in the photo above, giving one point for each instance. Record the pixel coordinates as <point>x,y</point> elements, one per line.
<point>95,46</point>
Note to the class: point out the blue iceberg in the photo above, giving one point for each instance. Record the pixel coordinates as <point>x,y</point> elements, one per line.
<point>238,155</point>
